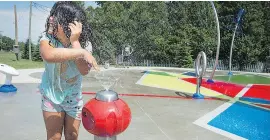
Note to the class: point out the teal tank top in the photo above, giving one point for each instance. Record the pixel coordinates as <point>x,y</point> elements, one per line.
<point>59,79</point>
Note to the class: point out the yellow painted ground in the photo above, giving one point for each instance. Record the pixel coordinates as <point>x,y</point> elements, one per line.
<point>174,83</point>
<point>180,75</point>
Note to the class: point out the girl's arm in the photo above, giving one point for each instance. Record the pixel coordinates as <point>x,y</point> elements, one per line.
<point>76,29</point>
<point>81,63</point>
<point>56,55</point>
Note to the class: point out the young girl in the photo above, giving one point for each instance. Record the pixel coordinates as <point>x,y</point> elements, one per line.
<point>66,61</point>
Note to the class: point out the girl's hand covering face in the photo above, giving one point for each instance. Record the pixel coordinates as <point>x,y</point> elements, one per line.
<point>76,30</point>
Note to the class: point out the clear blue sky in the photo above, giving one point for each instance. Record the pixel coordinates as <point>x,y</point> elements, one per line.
<point>7,25</point>
<point>5,5</point>
<point>25,4</point>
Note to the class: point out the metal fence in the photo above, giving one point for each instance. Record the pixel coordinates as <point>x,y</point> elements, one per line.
<point>143,63</point>
<point>258,67</point>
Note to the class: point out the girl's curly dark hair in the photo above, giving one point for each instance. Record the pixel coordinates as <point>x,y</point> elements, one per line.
<point>65,12</point>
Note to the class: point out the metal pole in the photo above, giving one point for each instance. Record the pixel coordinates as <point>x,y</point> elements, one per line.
<point>16,26</point>
<point>16,48</point>
<point>230,63</point>
<point>218,42</point>
<point>239,16</point>
<point>30,16</point>
<point>1,40</point>
<point>104,138</point>
<point>122,56</point>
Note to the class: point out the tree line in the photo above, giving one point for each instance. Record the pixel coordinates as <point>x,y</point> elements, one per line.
<point>176,31</point>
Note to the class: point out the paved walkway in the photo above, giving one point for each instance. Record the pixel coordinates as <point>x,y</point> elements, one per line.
<point>153,118</point>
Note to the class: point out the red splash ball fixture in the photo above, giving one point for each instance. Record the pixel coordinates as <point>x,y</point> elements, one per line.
<point>106,115</point>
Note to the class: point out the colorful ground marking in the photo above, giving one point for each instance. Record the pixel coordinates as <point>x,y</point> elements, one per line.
<point>192,74</point>
<point>236,120</point>
<point>244,79</point>
<point>173,83</point>
<point>162,73</point>
<point>255,100</point>
<point>238,78</point>
<point>248,121</point>
<point>264,105</point>
<point>228,89</point>
<point>147,95</point>
<point>204,120</point>
<point>258,94</point>
<point>245,116</point>
<point>259,91</point>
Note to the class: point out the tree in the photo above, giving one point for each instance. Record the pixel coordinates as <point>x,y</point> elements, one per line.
<point>25,51</point>
<point>266,22</point>
<point>80,3</point>
<point>177,31</point>
<point>7,43</point>
<point>148,22</point>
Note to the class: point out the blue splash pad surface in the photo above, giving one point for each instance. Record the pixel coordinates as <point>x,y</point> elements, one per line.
<point>190,74</point>
<point>244,120</point>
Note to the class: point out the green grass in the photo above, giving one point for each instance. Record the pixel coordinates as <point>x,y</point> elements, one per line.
<point>244,79</point>
<point>160,73</point>
<point>9,58</point>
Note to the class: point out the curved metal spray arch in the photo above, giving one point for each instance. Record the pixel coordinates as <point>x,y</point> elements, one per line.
<point>239,16</point>
<point>218,44</point>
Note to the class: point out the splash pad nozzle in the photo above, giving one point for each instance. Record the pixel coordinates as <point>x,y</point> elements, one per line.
<point>106,115</point>
<point>199,63</point>
<point>230,73</point>
<point>210,81</point>
<point>9,72</point>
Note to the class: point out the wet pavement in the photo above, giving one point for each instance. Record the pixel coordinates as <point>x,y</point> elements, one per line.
<point>153,118</point>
